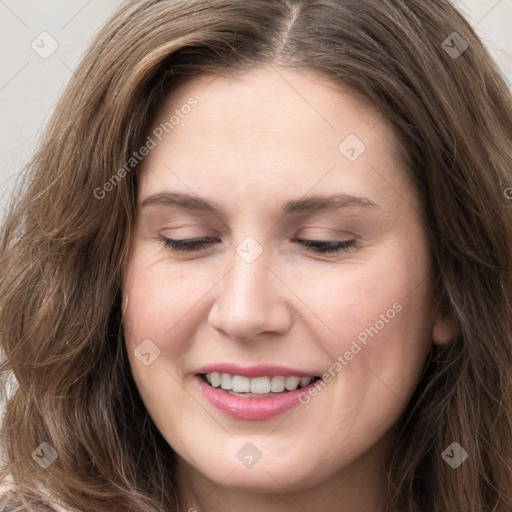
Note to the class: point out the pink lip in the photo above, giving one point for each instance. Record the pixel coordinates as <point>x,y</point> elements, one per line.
<point>243,408</point>
<point>254,371</point>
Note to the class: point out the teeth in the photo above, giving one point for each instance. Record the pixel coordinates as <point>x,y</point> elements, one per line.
<point>292,383</point>
<point>304,381</point>
<point>214,379</point>
<point>277,384</point>
<point>241,384</point>
<point>226,381</point>
<point>259,385</point>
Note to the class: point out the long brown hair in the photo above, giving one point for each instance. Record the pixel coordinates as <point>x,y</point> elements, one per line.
<point>64,242</point>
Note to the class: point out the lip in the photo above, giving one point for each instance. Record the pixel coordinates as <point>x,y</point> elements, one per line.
<point>243,408</point>
<point>254,371</point>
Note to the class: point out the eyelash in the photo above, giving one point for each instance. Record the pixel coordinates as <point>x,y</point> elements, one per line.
<point>316,246</point>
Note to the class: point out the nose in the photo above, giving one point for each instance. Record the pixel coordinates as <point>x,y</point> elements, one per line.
<point>251,300</point>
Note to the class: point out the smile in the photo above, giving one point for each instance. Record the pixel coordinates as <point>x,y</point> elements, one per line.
<point>262,393</point>
<point>239,385</point>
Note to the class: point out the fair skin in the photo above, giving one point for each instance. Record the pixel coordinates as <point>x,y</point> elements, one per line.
<point>252,144</point>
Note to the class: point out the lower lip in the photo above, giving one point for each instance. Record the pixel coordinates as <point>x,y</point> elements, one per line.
<point>243,408</point>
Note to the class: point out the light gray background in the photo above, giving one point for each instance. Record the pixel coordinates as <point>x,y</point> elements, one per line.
<point>30,85</point>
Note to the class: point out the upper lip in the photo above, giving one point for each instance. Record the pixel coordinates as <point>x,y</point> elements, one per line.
<point>260,370</point>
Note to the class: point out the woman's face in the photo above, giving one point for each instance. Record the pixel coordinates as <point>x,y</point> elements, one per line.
<point>257,165</point>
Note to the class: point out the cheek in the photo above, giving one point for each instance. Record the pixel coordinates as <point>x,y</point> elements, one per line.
<point>375,357</point>
<point>361,303</point>
<point>379,323</point>
<point>157,311</point>
<point>161,301</point>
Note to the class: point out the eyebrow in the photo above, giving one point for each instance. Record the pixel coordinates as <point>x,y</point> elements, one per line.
<point>311,204</point>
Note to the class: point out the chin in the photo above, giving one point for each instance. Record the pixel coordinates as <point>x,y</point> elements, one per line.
<point>267,475</point>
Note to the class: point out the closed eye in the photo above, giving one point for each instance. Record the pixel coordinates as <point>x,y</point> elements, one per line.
<point>316,246</point>
<point>325,247</point>
<point>188,245</point>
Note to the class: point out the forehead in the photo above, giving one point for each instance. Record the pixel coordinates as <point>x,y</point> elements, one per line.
<point>270,131</point>
<point>246,99</point>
